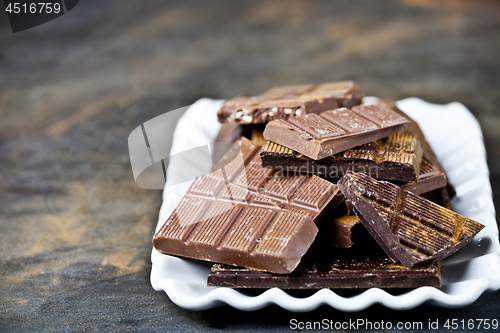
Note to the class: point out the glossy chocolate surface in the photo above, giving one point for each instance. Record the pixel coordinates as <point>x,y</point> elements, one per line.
<point>331,132</point>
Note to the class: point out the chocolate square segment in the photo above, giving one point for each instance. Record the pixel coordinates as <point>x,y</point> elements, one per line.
<point>282,187</point>
<point>247,220</point>
<point>348,120</point>
<point>317,126</point>
<point>380,114</point>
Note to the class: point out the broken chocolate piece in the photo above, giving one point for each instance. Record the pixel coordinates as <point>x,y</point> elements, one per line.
<point>409,228</point>
<point>343,230</point>
<point>289,101</point>
<point>330,132</point>
<point>251,236</point>
<point>397,158</point>
<point>243,214</point>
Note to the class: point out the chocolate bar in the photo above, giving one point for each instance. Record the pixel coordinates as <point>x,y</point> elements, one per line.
<point>331,132</point>
<point>243,214</point>
<point>339,271</point>
<point>430,177</point>
<point>289,101</point>
<point>409,228</point>
<point>397,157</point>
<point>260,238</point>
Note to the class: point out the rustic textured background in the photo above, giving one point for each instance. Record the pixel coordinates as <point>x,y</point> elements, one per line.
<point>75,231</point>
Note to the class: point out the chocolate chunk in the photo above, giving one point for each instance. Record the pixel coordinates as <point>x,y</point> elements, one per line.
<point>342,232</point>
<point>331,132</point>
<point>347,230</point>
<point>289,101</point>
<point>409,228</point>
<point>397,157</point>
<point>339,269</point>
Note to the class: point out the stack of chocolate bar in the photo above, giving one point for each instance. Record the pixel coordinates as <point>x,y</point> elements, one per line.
<point>323,192</point>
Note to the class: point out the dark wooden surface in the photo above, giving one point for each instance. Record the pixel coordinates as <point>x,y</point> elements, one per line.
<point>75,230</point>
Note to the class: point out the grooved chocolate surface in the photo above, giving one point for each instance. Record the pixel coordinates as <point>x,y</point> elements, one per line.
<point>409,228</point>
<point>334,269</point>
<point>330,132</point>
<point>398,158</point>
<point>261,238</point>
<point>346,230</point>
<point>289,101</point>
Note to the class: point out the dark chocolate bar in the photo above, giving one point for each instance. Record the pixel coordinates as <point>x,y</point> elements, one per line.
<point>338,271</point>
<point>409,228</point>
<point>331,132</point>
<point>397,157</point>
<point>289,101</point>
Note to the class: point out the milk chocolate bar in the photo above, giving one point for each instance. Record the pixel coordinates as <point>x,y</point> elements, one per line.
<point>289,101</point>
<point>338,271</point>
<point>331,132</point>
<point>397,157</point>
<point>409,228</point>
<point>244,235</point>
<point>243,214</point>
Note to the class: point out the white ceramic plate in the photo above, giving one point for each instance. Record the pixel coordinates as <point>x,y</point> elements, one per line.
<point>457,140</point>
